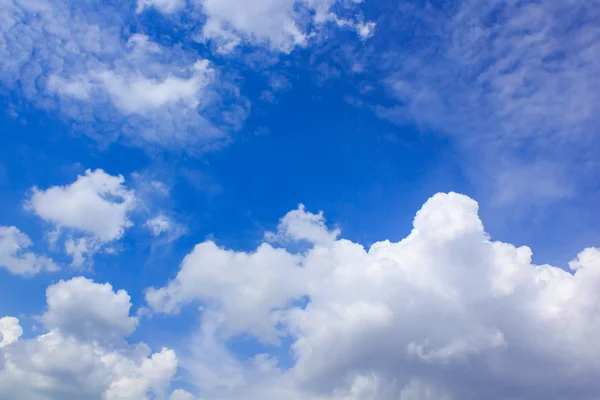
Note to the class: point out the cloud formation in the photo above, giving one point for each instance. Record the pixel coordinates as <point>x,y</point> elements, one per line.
<point>84,309</point>
<point>93,211</point>
<point>276,24</point>
<point>15,259</point>
<point>68,362</point>
<point>503,78</point>
<point>111,83</point>
<point>446,313</point>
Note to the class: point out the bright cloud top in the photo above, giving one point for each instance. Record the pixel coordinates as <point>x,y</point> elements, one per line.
<point>84,309</point>
<point>10,331</point>
<point>94,211</point>
<point>445,313</point>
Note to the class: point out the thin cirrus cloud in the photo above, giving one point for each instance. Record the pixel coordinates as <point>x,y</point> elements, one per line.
<point>446,313</point>
<point>504,79</point>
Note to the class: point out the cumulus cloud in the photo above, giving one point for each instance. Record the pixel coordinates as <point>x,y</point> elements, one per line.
<point>446,313</point>
<point>84,309</point>
<point>10,331</point>
<point>13,242</point>
<point>240,283</point>
<point>96,207</point>
<point>109,83</point>
<point>68,362</point>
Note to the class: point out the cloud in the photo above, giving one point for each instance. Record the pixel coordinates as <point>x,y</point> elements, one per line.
<point>279,25</point>
<point>179,394</point>
<point>298,225</point>
<point>68,362</point>
<point>84,309</point>
<point>96,207</point>
<point>10,331</point>
<point>15,259</point>
<point>165,6</point>
<point>512,82</point>
<point>110,83</point>
<point>158,225</point>
<point>240,283</point>
<point>446,313</point>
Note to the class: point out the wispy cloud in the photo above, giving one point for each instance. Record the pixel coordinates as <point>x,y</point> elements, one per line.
<point>514,82</point>
<point>84,62</point>
<point>280,25</point>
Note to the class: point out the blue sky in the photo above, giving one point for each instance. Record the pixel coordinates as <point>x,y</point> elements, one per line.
<point>219,195</point>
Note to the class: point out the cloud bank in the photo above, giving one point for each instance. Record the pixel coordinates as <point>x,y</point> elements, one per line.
<point>445,313</point>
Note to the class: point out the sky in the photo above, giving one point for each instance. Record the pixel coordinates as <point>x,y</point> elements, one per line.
<point>299,200</point>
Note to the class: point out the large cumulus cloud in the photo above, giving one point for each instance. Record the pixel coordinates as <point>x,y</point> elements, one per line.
<point>446,313</point>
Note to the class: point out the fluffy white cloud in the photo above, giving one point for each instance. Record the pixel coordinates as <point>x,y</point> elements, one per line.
<point>446,313</point>
<point>15,259</point>
<point>248,286</point>
<point>84,309</point>
<point>279,24</point>
<point>76,358</point>
<point>96,206</point>
<point>52,366</point>
<point>10,331</point>
<point>112,84</point>
<point>298,225</point>
<point>133,93</point>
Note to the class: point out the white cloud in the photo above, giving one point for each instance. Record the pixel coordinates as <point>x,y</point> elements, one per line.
<point>133,93</point>
<point>158,225</point>
<point>77,358</point>
<point>111,84</point>
<point>446,313</point>
<point>280,24</point>
<point>53,367</point>
<point>96,206</point>
<point>10,331</point>
<point>300,225</point>
<point>165,6</point>
<point>84,309</point>
<point>366,29</point>
<point>15,259</point>
<point>247,286</point>
<point>179,394</point>
<point>165,229</point>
